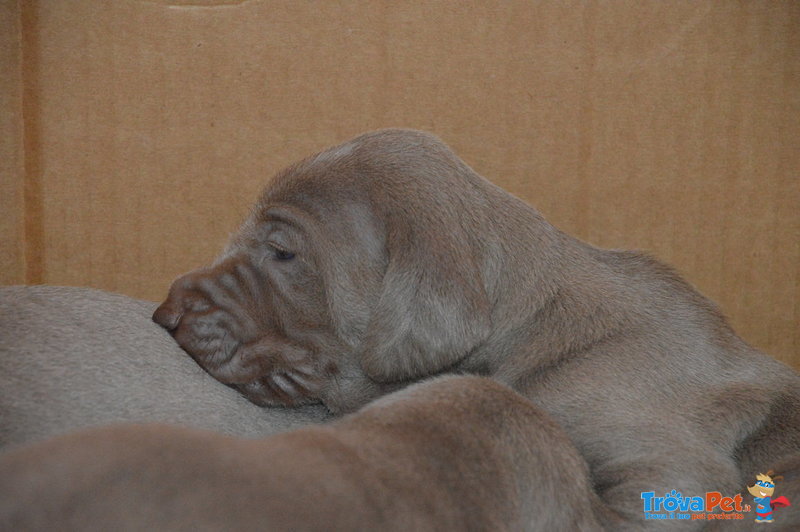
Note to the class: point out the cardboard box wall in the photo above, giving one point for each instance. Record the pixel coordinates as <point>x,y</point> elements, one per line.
<point>135,134</point>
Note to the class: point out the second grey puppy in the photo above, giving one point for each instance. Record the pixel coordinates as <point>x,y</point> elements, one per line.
<point>452,453</point>
<point>72,358</point>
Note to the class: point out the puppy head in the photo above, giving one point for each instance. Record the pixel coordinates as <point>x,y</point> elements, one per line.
<point>356,271</point>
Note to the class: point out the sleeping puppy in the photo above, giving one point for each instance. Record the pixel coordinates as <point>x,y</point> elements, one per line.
<point>387,259</point>
<point>453,453</point>
<point>72,358</point>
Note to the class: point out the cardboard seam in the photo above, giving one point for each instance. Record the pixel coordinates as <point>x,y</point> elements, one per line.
<point>198,4</point>
<point>32,199</point>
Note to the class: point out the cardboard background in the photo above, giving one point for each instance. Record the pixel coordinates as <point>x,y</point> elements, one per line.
<point>12,268</point>
<point>135,134</point>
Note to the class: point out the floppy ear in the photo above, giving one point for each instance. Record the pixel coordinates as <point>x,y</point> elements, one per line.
<point>432,310</point>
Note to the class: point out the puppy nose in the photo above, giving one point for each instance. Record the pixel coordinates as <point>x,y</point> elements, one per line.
<point>167,315</point>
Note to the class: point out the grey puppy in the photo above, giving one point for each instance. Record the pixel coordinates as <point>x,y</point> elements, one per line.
<point>454,453</point>
<point>387,259</point>
<point>72,358</point>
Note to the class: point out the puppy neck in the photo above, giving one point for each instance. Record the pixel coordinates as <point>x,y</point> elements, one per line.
<point>554,297</point>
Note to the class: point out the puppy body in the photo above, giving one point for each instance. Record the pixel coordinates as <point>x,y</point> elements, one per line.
<point>387,259</point>
<point>72,358</point>
<point>454,453</point>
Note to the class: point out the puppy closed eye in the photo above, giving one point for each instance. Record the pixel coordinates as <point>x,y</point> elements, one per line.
<point>280,253</point>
